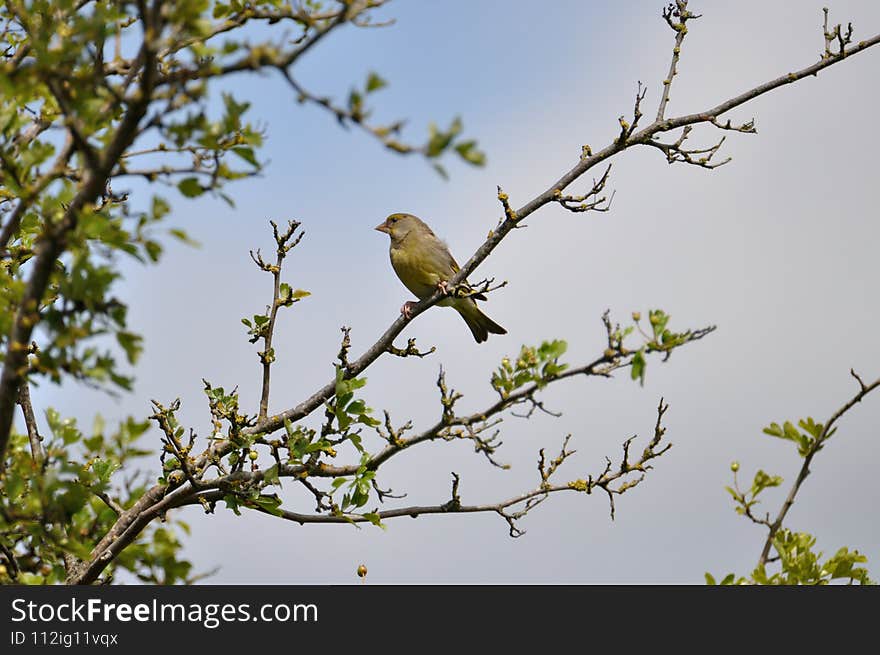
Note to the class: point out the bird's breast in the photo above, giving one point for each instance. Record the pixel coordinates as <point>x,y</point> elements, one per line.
<point>416,268</point>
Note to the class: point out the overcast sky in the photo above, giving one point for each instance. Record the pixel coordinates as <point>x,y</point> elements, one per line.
<point>777,249</point>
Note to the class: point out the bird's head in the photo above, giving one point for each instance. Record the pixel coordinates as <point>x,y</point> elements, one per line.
<point>397,226</point>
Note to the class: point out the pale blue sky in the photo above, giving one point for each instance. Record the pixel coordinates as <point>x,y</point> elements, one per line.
<point>778,249</point>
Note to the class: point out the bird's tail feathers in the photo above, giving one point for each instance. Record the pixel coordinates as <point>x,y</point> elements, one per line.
<point>480,324</point>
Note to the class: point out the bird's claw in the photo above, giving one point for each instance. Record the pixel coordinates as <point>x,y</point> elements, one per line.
<point>443,285</point>
<point>406,309</point>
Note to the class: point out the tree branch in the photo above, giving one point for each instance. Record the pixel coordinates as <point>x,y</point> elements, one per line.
<point>52,245</point>
<point>26,201</point>
<point>162,497</point>
<point>643,137</point>
<point>284,243</point>
<point>30,421</point>
<point>678,10</point>
<point>504,508</point>
<point>815,447</point>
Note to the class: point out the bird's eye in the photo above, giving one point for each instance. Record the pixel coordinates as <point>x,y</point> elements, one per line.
<point>393,219</point>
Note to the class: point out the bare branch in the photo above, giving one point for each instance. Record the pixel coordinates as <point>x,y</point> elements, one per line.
<point>112,504</point>
<point>411,350</point>
<point>843,39</point>
<point>285,242</point>
<point>590,201</point>
<point>676,16</point>
<point>30,421</point>
<point>676,153</point>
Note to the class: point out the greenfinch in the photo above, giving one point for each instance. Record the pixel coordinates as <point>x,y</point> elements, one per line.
<point>423,263</point>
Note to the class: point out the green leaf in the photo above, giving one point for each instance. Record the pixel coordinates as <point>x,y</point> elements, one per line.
<point>373,518</point>
<point>132,344</point>
<point>154,250</point>
<point>232,503</point>
<point>774,430</point>
<point>182,236</point>
<point>190,187</point>
<point>271,504</point>
<point>374,83</point>
<point>248,155</point>
<point>355,104</point>
<point>356,407</point>
<point>271,475</point>
<point>14,485</point>
<point>31,578</point>
<point>468,151</point>
<point>104,469</point>
<point>638,367</point>
<point>160,208</point>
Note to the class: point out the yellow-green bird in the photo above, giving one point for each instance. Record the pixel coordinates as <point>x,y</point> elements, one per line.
<point>423,263</point>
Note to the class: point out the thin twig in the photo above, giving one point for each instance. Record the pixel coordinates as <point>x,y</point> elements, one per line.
<point>30,421</point>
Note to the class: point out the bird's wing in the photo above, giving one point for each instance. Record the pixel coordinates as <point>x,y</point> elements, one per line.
<point>442,258</point>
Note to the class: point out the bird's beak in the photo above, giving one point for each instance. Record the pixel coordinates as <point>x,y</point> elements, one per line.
<point>381,227</point>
